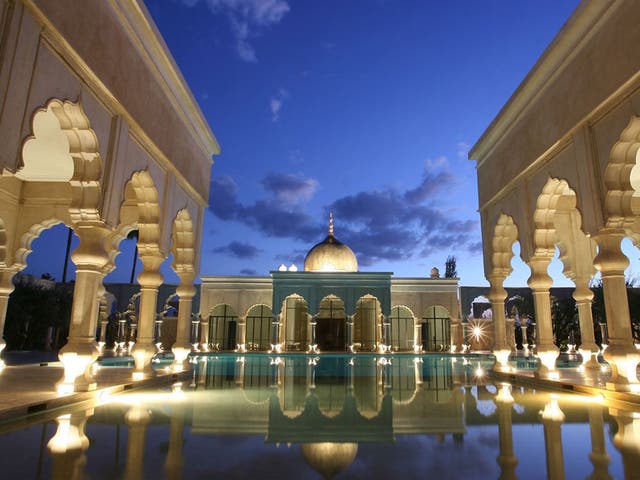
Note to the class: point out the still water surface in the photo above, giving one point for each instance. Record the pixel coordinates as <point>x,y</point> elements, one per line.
<point>335,416</point>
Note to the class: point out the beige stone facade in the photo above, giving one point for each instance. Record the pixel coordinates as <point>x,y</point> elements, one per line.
<point>99,131</point>
<point>557,168</point>
<point>245,301</point>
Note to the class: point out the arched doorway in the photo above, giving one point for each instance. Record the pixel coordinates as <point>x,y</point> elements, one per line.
<point>331,323</point>
<point>258,325</point>
<point>436,329</point>
<point>365,324</point>
<point>296,324</point>
<point>402,324</point>
<point>223,324</point>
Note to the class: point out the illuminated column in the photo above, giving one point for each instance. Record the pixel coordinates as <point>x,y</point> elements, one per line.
<point>350,320</point>
<point>416,335</point>
<point>6,287</point>
<point>81,349</point>
<point>583,296</point>
<point>175,456</point>
<point>275,333</point>
<point>386,332</point>
<point>552,418</point>
<point>137,419</point>
<point>507,458</point>
<point>204,334</point>
<point>149,279</point>
<point>540,282</point>
<point>621,353</point>
<point>313,323</point>
<point>627,441</point>
<point>497,296</point>
<point>242,334</point>
<point>182,346</point>
<point>598,456</point>
<point>104,318</point>
<point>68,446</point>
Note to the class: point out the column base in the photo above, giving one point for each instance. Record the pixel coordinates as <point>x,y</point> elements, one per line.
<point>623,360</point>
<point>547,356</point>
<point>143,353</point>
<point>2,347</point>
<point>502,360</point>
<point>180,355</point>
<point>589,358</point>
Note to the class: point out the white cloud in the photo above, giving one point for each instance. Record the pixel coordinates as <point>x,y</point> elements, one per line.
<point>436,163</point>
<point>463,149</point>
<point>244,16</point>
<point>275,103</point>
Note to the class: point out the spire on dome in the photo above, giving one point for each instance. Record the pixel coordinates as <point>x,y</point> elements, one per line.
<point>330,223</point>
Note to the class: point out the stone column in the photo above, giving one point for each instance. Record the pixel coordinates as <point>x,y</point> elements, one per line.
<point>627,441</point>
<point>583,296</point>
<point>182,346</point>
<point>552,419</point>
<point>540,282</point>
<point>242,334</point>
<point>313,341</point>
<point>175,456</point>
<point>6,287</point>
<point>275,334</point>
<point>204,334</point>
<point>621,353</point>
<point>386,332</point>
<point>149,279</point>
<point>507,458</point>
<point>81,349</point>
<point>350,321</point>
<point>497,296</point>
<point>68,446</point>
<point>598,456</point>
<point>137,419</point>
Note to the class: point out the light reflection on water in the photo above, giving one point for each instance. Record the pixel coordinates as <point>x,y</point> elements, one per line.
<point>364,416</point>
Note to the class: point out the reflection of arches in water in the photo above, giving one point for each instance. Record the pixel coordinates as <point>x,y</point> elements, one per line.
<point>436,329</point>
<point>401,321</point>
<point>331,324</point>
<point>403,379</point>
<point>258,328</point>
<point>294,314</point>
<point>365,323</point>
<point>223,323</point>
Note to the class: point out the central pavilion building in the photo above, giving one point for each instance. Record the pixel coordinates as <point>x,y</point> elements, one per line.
<point>330,306</point>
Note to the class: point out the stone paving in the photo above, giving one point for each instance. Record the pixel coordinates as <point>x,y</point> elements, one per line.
<point>27,389</point>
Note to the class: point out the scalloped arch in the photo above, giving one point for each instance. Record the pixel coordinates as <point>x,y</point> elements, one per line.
<point>64,148</point>
<point>27,238</point>
<point>622,178</point>
<point>182,243</point>
<point>505,234</point>
<point>556,195</point>
<point>141,210</point>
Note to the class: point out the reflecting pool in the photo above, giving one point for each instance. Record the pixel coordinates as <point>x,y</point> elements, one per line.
<point>333,416</point>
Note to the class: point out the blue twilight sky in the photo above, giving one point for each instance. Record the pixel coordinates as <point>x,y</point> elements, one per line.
<point>365,108</point>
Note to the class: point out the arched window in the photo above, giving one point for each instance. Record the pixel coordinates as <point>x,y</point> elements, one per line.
<point>294,313</point>
<point>365,324</point>
<point>223,324</point>
<point>401,320</point>
<point>258,334</point>
<point>436,329</point>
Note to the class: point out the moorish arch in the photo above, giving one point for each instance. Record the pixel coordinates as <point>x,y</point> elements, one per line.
<point>331,324</point>
<point>295,334</point>
<point>183,250</point>
<point>622,218</point>
<point>505,234</point>
<point>59,180</point>
<point>436,329</point>
<point>403,329</point>
<point>367,324</point>
<point>140,211</point>
<point>223,323</point>
<point>258,323</point>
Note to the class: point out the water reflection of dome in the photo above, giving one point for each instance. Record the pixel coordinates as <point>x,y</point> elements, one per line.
<point>330,255</point>
<point>328,458</point>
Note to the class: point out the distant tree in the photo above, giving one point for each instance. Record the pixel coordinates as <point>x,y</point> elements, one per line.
<point>565,321</point>
<point>450,267</point>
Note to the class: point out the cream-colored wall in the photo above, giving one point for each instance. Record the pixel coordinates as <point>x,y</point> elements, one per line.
<point>109,58</point>
<point>562,122</point>
<point>241,293</point>
<point>418,294</point>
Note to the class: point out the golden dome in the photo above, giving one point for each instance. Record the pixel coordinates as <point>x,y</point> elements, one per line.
<point>329,459</point>
<point>330,255</point>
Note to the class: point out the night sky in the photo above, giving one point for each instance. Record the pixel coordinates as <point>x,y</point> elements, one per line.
<point>366,109</point>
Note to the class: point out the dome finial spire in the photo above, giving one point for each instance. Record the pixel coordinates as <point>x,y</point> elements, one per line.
<point>330,223</point>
